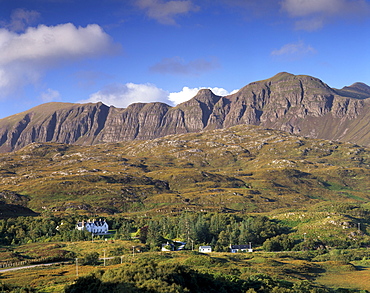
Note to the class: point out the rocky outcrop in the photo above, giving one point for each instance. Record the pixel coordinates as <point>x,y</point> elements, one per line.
<point>295,103</point>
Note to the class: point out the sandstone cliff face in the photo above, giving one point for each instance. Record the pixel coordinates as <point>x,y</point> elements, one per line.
<point>138,121</point>
<point>59,122</point>
<point>298,104</point>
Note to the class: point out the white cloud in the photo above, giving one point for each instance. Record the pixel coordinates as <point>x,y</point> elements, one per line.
<point>188,93</point>
<point>165,11</point>
<point>122,95</point>
<point>45,43</point>
<point>177,65</point>
<point>25,56</point>
<point>314,13</point>
<point>294,50</point>
<point>50,95</point>
<point>183,96</point>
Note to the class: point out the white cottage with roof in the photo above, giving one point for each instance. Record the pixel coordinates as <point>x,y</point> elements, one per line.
<point>95,227</point>
<point>241,248</point>
<point>205,249</point>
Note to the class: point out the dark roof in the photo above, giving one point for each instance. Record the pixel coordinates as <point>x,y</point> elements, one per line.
<point>239,246</point>
<point>99,223</point>
<point>88,223</point>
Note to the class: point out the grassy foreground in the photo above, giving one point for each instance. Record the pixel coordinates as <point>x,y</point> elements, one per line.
<point>319,270</point>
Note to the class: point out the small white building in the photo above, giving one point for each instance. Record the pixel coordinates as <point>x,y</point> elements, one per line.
<point>205,249</point>
<point>95,227</point>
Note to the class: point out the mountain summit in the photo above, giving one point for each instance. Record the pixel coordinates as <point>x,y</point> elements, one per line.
<point>299,104</point>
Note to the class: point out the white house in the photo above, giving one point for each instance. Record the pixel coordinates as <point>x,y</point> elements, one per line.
<point>95,227</point>
<point>241,248</point>
<point>205,249</point>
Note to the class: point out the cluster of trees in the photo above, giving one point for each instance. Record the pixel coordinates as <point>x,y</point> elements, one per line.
<point>26,229</point>
<point>40,229</point>
<point>218,230</point>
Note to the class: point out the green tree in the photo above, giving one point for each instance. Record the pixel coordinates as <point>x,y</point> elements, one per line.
<point>279,243</point>
<point>223,241</point>
<point>154,238</point>
<point>91,258</point>
<point>201,230</point>
<point>125,230</point>
<point>217,223</point>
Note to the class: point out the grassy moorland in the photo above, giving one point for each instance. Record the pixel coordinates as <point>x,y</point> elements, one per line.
<point>241,169</point>
<point>314,194</point>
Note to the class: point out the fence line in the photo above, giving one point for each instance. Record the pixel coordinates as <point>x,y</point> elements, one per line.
<point>22,263</point>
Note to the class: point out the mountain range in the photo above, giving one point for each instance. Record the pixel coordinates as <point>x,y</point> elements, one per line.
<point>298,104</point>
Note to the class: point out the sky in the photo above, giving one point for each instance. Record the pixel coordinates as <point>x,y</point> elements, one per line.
<point>125,51</point>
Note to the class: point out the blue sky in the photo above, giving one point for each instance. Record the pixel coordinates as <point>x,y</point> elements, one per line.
<point>125,51</point>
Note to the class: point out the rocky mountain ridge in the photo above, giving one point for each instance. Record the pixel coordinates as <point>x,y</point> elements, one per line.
<point>297,104</point>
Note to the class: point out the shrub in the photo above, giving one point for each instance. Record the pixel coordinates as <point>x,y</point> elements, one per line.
<point>91,258</point>
<point>115,261</point>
